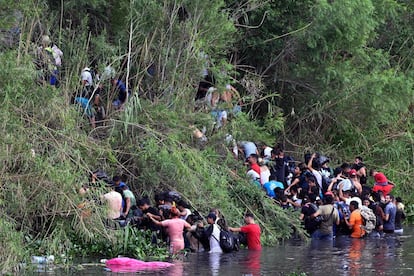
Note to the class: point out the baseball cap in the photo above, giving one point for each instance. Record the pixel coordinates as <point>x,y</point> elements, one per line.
<point>212,216</point>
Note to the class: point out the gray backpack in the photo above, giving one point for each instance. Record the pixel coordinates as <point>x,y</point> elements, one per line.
<point>369,219</point>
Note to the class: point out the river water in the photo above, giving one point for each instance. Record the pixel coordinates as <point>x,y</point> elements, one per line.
<point>392,255</point>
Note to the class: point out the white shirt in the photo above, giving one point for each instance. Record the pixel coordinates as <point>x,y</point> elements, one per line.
<point>57,53</point>
<point>114,200</point>
<point>346,185</point>
<point>267,153</point>
<point>253,175</point>
<point>214,240</point>
<point>264,174</point>
<point>318,178</point>
<point>188,212</point>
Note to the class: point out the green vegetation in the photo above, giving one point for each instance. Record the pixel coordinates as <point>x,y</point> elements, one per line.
<point>331,76</point>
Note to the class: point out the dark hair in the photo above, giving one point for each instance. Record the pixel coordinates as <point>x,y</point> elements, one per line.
<point>168,198</point>
<point>337,171</point>
<point>354,203</point>
<point>359,158</point>
<point>254,155</point>
<point>159,197</point>
<point>279,147</point>
<point>278,191</point>
<point>312,197</point>
<point>182,203</point>
<point>328,199</point>
<point>311,178</point>
<point>283,198</point>
<point>302,166</point>
<point>143,201</point>
<point>315,190</point>
<point>248,214</point>
<point>398,199</point>
<point>345,166</point>
<point>116,178</point>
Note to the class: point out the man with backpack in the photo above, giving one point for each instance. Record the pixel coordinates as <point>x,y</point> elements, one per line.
<point>330,217</point>
<point>252,231</point>
<point>355,222</point>
<point>213,233</point>
<point>49,58</point>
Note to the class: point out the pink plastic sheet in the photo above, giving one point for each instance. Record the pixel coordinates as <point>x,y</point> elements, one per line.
<point>124,264</point>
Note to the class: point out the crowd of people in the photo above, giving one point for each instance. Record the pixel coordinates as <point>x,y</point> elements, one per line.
<point>170,220</point>
<point>329,201</point>
<point>332,201</point>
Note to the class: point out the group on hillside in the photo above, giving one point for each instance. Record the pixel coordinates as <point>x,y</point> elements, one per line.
<point>332,201</point>
<point>94,87</point>
<point>170,219</point>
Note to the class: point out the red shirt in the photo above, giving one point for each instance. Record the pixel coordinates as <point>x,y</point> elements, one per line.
<point>252,235</point>
<point>255,167</point>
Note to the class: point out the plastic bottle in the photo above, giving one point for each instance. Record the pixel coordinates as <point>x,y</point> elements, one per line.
<point>43,259</point>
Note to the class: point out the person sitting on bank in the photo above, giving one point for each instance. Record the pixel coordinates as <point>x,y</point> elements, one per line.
<point>355,222</point>
<point>252,231</point>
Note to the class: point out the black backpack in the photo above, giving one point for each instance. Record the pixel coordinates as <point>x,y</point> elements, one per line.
<point>228,241</point>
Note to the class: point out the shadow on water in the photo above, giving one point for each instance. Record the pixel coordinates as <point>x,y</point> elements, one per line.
<point>390,255</point>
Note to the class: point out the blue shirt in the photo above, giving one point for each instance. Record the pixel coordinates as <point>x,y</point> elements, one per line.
<point>122,91</point>
<point>271,186</point>
<point>248,148</point>
<point>390,210</point>
<point>86,105</point>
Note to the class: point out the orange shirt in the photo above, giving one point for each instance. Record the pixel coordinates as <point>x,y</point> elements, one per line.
<point>356,220</point>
